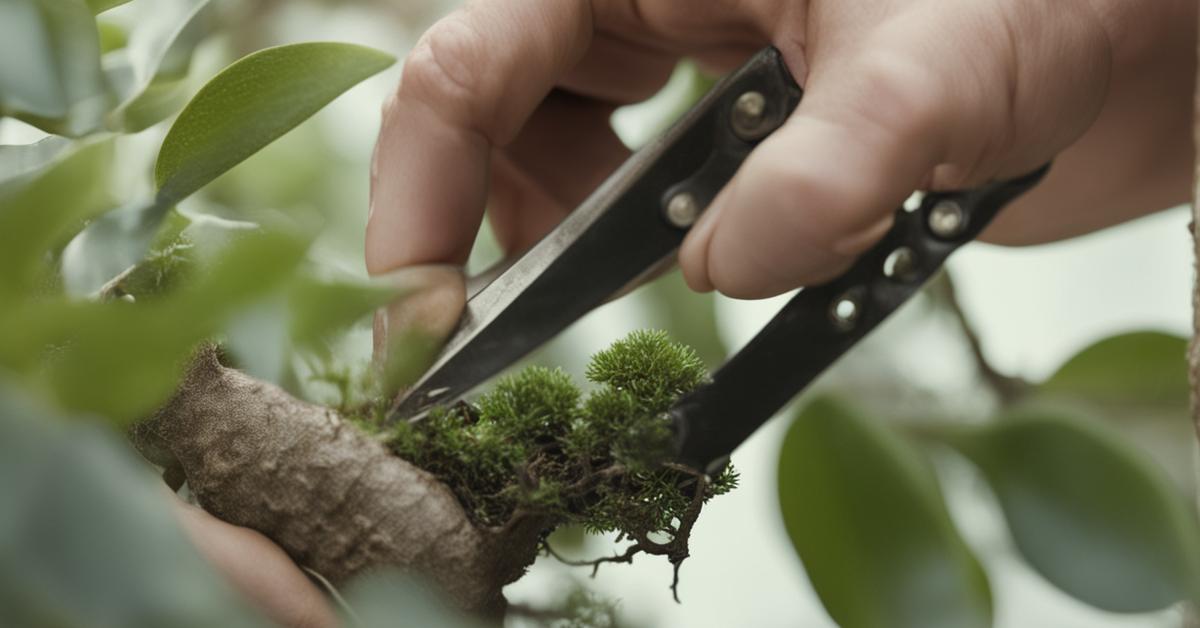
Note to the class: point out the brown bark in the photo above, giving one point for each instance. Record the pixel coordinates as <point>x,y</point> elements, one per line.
<point>336,500</point>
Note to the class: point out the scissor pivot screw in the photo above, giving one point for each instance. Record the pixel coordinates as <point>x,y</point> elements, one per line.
<point>947,220</point>
<point>901,264</point>
<point>845,310</point>
<point>750,116</point>
<point>682,210</point>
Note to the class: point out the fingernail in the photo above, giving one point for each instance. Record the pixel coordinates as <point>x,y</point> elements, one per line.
<point>429,304</point>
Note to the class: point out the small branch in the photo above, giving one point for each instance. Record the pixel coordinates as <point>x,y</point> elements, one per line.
<point>1010,389</point>
<point>676,550</point>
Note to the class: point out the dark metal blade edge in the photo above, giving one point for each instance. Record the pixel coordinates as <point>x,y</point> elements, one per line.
<point>609,240</point>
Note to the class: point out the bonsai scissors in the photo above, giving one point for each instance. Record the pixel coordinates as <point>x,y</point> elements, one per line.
<point>635,222</point>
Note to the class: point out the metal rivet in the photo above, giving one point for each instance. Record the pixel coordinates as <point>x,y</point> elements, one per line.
<point>749,114</point>
<point>901,264</point>
<point>947,219</point>
<point>845,311</point>
<point>682,210</point>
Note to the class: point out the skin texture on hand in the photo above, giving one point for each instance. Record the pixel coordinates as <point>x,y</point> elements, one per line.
<point>505,104</point>
<point>257,568</point>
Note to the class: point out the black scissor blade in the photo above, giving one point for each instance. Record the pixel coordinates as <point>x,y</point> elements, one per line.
<point>822,323</point>
<point>616,236</point>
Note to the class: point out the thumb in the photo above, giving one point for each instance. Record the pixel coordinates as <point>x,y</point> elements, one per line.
<point>823,188</point>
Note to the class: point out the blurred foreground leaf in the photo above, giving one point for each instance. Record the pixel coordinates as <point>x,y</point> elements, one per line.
<point>122,359</point>
<point>253,102</point>
<point>42,210</point>
<point>50,65</point>
<point>112,36</point>
<point>19,160</point>
<point>1137,370</point>
<point>867,518</point>
<point>86,537</point>
<point>108,246</point>
<point>391,599</point>
<point>320,305</point>
<point>150,75</point>
<point>100,6</point>
<point>1087,512</point>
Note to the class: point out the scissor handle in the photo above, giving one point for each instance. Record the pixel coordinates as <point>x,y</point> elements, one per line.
<point>626,228</point>
<point>821,323</point>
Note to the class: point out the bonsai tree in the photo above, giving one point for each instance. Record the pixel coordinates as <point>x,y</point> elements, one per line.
<point>162,294</point>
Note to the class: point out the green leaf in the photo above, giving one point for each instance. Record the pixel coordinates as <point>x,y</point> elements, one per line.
<point>1137,370</point>
<point>108,246</point>
<point>377,599</point>
<point>50,66</point>
<point>100,6</point>
<point>46,208</point>
<point>867,518</point>
<point>1087,512</point>
<point>112,36</point>
<point>19,160</point>
<point>150,76</point>
<point>86,538</point>
<point>319,306</point>
<point>253,102</point>
<point>121,360</point>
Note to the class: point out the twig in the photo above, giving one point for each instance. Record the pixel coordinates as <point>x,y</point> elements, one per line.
<point>1010,389</point>
<point>676,550</point>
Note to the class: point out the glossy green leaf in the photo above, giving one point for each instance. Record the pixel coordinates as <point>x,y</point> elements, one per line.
<point>867,518</point>
<point>50,65</point>
<point>1087,512</point>
<point>46,208</point>
<point>86,538</point>
<point>253,102</point>
<point>1137,370</point>
<point>150,75</point>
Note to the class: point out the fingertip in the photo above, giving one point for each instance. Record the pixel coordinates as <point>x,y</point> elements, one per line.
<point>430,302</point>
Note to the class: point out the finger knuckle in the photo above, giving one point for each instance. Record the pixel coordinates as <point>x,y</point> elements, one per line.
<point>896,95</point>
<point>443,65</point>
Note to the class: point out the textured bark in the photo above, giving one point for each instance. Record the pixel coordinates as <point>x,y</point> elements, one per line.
<point>336,500</point>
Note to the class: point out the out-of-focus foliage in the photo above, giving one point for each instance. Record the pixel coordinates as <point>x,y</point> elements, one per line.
<point>1127,373</point>
<point>86,538</point>
<point>866,516</point>
<point>1085,508</point>
<point>107,287</point>
<point>1088,513</point>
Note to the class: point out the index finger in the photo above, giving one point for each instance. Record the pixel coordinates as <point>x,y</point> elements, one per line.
<point>468,86</point>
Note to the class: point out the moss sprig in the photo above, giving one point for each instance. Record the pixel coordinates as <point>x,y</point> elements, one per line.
<point>535,445</point>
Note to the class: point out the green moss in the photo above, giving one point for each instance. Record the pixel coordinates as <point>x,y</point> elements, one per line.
<point>536,444</point>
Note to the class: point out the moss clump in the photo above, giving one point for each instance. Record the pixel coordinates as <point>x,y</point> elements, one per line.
<point>536,445</point>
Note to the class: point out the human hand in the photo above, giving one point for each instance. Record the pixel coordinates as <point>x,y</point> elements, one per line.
<point>506,104</point>
<point>256,568</point>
